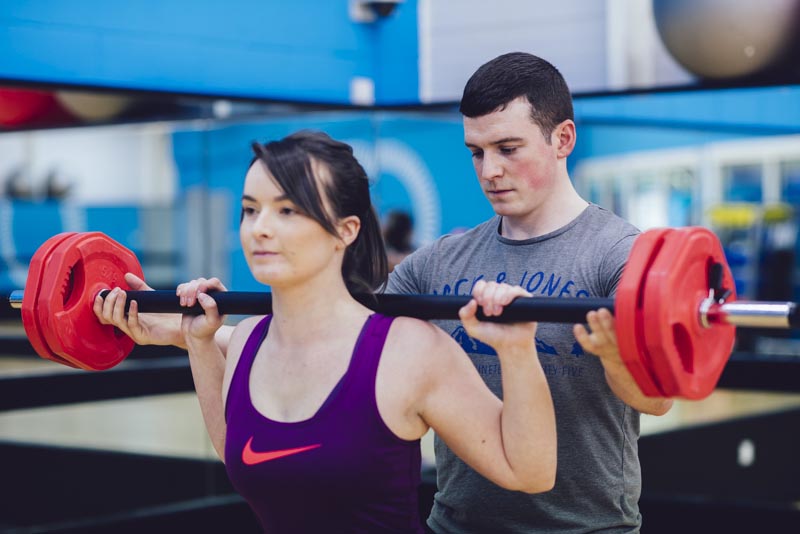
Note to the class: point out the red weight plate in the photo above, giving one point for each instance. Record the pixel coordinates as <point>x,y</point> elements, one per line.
<point>658,299</point>
<point>629,316</point>
<point>688,358</point>
<point>82,268</point>
<point>30,316</point>
<point>52,284</point>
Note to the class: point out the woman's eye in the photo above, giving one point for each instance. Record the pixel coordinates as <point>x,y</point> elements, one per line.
<point>287,211</point>
<point>247,211</point>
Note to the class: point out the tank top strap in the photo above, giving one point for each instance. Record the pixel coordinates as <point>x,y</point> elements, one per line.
<point>240,382</point>
<point>367,353</point>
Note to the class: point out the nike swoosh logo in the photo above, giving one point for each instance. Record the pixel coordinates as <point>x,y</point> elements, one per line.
<point>251,457</point>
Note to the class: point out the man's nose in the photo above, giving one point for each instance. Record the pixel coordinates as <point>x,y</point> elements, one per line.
<point>490,168</point>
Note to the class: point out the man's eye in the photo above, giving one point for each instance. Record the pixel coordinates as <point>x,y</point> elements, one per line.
<point>477,154</point>
<point>508,149</point>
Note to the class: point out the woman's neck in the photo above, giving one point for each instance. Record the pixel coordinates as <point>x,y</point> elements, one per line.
<point>314,309</point>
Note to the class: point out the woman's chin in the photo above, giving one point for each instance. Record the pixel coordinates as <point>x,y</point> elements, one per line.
<point>269,278</point>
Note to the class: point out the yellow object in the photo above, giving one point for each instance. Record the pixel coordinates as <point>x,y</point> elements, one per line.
<point>775,213</point>
<point>744,215</point>
<point>734,215</point>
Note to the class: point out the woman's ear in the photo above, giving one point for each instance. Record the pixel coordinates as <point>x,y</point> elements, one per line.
<point>348,228</point>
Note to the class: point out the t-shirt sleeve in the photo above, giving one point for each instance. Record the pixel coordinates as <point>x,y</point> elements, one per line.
<point>613,264</point>
<point>407,277</point>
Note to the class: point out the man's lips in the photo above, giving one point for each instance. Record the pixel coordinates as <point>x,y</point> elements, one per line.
<point>498,192</point>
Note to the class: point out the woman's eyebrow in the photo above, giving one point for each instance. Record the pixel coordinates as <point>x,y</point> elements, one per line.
<point>277,198</point>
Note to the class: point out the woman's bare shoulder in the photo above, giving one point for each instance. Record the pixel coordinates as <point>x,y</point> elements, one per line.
<point>239,336</point>
<point>415,338</point>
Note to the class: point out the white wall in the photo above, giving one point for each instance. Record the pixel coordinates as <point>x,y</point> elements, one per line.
<point>127,164</point>
<point>596,44</point>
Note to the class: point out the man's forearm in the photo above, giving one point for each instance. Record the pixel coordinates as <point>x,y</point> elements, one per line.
<point>623,385</point>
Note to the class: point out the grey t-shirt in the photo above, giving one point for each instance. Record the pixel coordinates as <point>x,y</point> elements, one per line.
<point>598,480</point>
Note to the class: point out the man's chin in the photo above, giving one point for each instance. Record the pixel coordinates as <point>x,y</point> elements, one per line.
<point>502,209</point>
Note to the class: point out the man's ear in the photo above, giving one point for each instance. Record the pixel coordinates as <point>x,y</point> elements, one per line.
<point>564,137</point>
<point>348,228</point>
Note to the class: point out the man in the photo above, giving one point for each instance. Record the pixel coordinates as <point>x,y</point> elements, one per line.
<point>519,127</point>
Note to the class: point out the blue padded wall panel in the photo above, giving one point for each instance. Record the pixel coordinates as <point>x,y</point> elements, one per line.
<point>301,51</point>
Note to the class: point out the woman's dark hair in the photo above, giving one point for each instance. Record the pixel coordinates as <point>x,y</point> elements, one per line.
<point>510,76</point>
<point>289,161</point>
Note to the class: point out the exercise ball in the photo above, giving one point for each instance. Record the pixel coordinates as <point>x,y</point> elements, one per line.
<point>93,107</point>
<point>721,39</point>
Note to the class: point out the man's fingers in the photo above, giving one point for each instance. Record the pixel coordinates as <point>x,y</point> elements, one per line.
<point>607,320</point>
<point>509,295</point>
<point>599,333</point>
<point>468,311</point>
<point>487,298</point>
<point>582,336</point>
<point>494,297</point>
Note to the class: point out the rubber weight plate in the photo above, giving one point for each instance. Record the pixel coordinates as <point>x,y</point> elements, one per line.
<point>79,268</point>
<point>687,358</point>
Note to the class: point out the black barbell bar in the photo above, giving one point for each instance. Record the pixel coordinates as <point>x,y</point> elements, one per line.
<point>427,307</point>
<point>740,313</point>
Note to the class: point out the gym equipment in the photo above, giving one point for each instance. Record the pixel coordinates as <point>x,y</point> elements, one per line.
<point>21,106</point>
<point>719,39</point>
<point>676,310</point>
<point>92,107</point>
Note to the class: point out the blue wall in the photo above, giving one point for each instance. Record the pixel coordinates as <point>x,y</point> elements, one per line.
<point>25,225</point>
<point>622,124</point>
<point>304,50</point>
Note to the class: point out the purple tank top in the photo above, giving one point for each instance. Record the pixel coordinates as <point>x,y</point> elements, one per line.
<point>343,470</point>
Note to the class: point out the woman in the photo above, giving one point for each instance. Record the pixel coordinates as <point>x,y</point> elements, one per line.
<point>318,409</point>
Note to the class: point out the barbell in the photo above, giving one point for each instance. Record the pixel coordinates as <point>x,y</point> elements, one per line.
<point>675,308</point>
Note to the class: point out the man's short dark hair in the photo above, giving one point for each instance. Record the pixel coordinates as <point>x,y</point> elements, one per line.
<point>510,76</point>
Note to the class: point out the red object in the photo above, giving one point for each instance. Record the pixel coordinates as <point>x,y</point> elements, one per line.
<point>30,319</point>
<point>630,314</point>
<point>251,457</point>
<point>687,358</point>
<point>664,346</point>
<point>24,106</point>
<point>77,269</point>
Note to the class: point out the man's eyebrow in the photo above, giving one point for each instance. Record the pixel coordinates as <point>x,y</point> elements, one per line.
<point>499,141</point>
